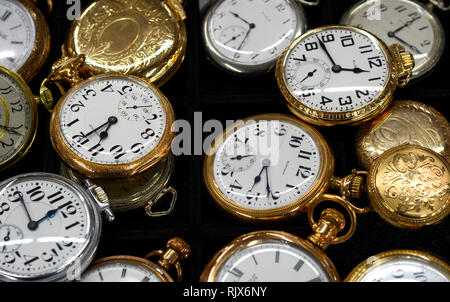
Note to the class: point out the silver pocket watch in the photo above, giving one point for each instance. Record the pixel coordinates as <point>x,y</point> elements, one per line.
<point>247,37</point>
<point>49,227</point>
<point>405,22</point>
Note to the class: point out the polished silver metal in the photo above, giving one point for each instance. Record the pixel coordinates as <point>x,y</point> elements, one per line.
<point>66,271</point>
<point>247,69</point>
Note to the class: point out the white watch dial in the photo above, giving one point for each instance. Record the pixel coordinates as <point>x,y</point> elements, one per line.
<point>252,32</point>
<point>267,165</point>
<point>407,23</point>
<point>336,70</point>
<point>15,117</point>
<point>112,120</point>
<point>120,271</point>
<point>17,34</point>
<point>44,226</point>
<point>408,269</point>
<point>272,262</point>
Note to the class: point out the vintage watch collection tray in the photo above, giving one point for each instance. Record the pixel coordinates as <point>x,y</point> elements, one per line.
<point>200,91</point>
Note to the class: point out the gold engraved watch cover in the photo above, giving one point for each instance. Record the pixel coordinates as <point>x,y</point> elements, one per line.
<point>145,38</point>
<point>406,122</point>
<point>409,186</point>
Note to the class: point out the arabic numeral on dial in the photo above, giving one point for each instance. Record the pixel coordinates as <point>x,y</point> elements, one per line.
<point>15,196</point>
<point>148,133</point>
<point>305,172</point>
<point>347,41</point>
<point>16,107</point>
<point>375,62</point>
<point>80,139</point>
<point>280,7</point>
<point>68,209</point>
<point>345,101</point>
<point>251,196</point>
<point>149,120</point>
<point>125,89</point>
<point>311,46</point>
<point>4,207</point>
<point>425,43</point>
<point>36,194</point>
<point>136,148</point>
<point>280,131</point>
<point>236,185</point>
<point>117,151</point>
<point>87,94</point>
<point>77,107</point>
<point>95,150</point>
<point>360,93</point>
<point>328,38</point>
<point>420,276</point>
<point>9,258</point>
<point>325,101</point>
<point>295,141</point>
<point>5,144</point>
<point>6,90</point>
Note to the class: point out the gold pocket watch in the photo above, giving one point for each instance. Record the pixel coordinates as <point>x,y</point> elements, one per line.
<point>408,186</point>
<point>24,36</point>
<point>144,190</point>
<point>18,118</point>
<point>269,167</point>
<point>404,122</point>
<point>136,269</point>
<point>145,38</point>
<point>107,126</point>
<point>274,256</point>
<point>401,266</point>
<point>341,75</point>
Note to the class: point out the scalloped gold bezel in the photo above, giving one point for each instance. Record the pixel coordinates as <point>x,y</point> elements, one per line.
<point>322,118</point>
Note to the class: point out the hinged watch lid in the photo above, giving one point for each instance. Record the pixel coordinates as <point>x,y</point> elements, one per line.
<point>145,38</point>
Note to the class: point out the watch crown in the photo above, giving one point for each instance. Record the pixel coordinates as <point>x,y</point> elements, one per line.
<point>350,186</point>
<point>331,222</point>
<point>101,195</point>
<point>405,64</point>
<point>181,247</point>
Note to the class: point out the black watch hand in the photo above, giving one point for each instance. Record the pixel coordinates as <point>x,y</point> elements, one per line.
<point>239,157</point>
<point>258,177</point>
<point>232,39</point>
<point>7,238</point>
<point>32,225</point>
<point>136,107</point>
<point>51,214</point>
<point>392,35</point>
<point>269,192</point>
<point>354,70</point>
<point>324,48</point>
<point>407,24</point>
<point>310,74</point>
<point>239,17</point>
<point>104,133</point>
<point>111,119</point>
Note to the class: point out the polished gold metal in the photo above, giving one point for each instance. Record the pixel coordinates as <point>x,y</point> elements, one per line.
<point>409,186</point>
<point>33,101</point>
<point>144,190</point>
<point>41,48</point>
<point>399,62</point>
<point>145,38</point>
<point>211,270</point>
<point>94,170</point>
<point>325,178</point>
<point>358,273</point>
<point>177,250</point>
<point>404,122</point>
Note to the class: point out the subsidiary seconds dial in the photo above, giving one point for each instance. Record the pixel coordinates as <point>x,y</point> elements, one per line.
<point>112,121</point>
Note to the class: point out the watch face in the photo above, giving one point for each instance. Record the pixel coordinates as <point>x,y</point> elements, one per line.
<point>45,224</point>
<point>336,69</point>
<point>406,268</point>
<point>269,166</point>
<point>408,23</point>
<point>17,34</point>
<point>120,271</point>
<point>271,260</point>
<point>17,118</point>
<point>112,120</point>
<point>252,32</point>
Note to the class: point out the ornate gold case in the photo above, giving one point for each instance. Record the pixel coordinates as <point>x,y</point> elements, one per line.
<point>404,122</point>
<point>145,38</point>
<point>210,271</point>
<point>41,49</point>
<point>295,207</point>
<point>409,186</point>
<point>363,268</point>
<point>93,170</point>
<point>400,65</point>
<point>33,100</point>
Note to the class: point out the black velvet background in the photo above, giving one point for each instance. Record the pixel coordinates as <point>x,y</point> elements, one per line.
<point>199,86</point>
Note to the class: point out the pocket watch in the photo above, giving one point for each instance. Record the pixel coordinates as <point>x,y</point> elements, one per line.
<point>18,118</point>
<point>401,266</point>
<point>407,22</point>
<point>24,37</point>
<point>274,256</point>
<point>136,269</point>
<point>315,71</point>
<point>144,190</point>
<point>145,38</point>
<point>404,122</point>
<point>247,37</point>
<point>408,186</point>
<point>50,226</point>
<point>112,126</point>
<point>269,167</point>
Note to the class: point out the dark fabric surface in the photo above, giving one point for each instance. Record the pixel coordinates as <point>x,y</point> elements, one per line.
<point>199,86</point>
